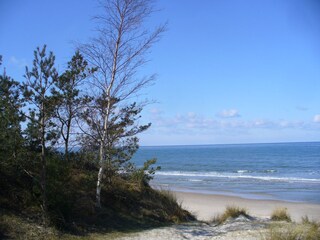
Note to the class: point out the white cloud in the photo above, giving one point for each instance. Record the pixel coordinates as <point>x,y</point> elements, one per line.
<point>316,118</point>
<point>191,128</point>
<point>229,113</point>
<point>21,63</point>
<point>196,123</point>
<point>301,108</point>
<point>155,111</point>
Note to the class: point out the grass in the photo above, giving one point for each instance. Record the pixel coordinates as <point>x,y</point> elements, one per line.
<point>127,208</point>
<point>293,231</point>
<point>13,226</point>
<point>280,214</point>
<point>306,220</point>
<point>230,212</point>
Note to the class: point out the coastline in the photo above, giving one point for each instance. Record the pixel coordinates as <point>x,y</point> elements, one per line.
<point>206,206</point>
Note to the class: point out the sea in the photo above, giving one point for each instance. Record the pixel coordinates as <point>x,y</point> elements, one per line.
<point>273,171</point>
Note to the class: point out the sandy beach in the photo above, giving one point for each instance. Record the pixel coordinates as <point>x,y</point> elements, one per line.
<point>206,206</point>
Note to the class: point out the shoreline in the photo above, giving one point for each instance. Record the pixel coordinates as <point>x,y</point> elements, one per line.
<point>249,196</point>
<point>206,206</point>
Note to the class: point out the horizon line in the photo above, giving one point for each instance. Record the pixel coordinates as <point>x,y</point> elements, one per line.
<point>211,144</point>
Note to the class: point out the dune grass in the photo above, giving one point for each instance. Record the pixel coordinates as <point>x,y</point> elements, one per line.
<point>127,207</point>
<point>280,214</point>
<point>293,231</point>
<point>230,212</point>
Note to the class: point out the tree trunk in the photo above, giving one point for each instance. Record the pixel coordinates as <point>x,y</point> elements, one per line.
<point>106,118</point>
<point>66,145</point>
<point>98,191</point>
<point>44,168</point>
<point>101,160</point>
<point>66,151</point>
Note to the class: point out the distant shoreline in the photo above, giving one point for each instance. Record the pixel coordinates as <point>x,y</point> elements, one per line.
<point>247,196</point>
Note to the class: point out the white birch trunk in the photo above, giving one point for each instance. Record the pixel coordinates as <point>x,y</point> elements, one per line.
<point>98,191</point>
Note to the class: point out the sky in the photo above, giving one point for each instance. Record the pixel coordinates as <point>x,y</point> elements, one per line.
<point>228,71</point>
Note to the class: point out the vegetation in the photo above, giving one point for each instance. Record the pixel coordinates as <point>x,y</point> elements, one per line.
<point>44,181</point>
<point>117,53</point>
<point>129,205</point>
<point>293,231</point>
<point>280,214</point>
<point>230,212</point>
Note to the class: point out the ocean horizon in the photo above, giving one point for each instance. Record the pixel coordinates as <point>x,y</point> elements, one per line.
<point>272,171</point>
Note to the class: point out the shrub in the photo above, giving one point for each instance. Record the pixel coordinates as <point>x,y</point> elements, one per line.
<point>230,212</point>
<point>145,174</point>
<point>280,214</point>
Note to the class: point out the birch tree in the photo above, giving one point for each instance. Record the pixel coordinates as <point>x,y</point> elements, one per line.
<point>39,81</point>
<point>118,52</point>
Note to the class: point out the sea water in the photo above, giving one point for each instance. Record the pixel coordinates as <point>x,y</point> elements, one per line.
<point>279,171</point>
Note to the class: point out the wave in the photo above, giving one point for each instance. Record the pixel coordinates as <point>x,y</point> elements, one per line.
<point>261,171</point>
<point>233,176</point>
<point>243,171</point>
<point>269,171</point>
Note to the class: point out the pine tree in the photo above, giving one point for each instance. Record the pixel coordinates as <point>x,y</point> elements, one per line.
<point>37,88</point>
<point>11,139</point>
<point>69,100</point>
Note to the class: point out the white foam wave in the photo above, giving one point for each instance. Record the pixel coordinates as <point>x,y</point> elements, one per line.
<point>243,171</point>
<point>270,171</point>
<point>234,176</point>
<point>195,180</point>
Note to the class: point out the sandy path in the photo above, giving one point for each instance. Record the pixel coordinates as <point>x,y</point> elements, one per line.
<point>205,206</point>
<point>201,231</point>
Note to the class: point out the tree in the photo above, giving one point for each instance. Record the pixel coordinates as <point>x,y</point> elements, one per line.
<point>69,100</point>
<point>117,52</point>
<point>121,141</point>
<point>37,87</point>
<point>10,119</point>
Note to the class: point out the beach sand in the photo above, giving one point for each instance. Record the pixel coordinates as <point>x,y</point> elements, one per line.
<point>206,206</point>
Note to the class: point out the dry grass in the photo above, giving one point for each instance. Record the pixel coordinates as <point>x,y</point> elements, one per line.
<point>167,200</point>
<point>230,212</point>
<point>14,227</point>
<point>17,227</point>
<point>293,231</point>
<point>280,214</point>
<point>306,220</point>
<point>169,195</point>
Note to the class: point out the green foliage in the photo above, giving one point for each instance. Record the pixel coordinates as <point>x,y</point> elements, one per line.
<point>10,118</point>
<point>120,142</point>
<point>35,178</point>
<point>68,98</point>
<point>36,90</point>
<point>144,174</point>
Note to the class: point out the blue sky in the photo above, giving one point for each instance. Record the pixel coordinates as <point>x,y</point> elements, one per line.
<point>228,71</point>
